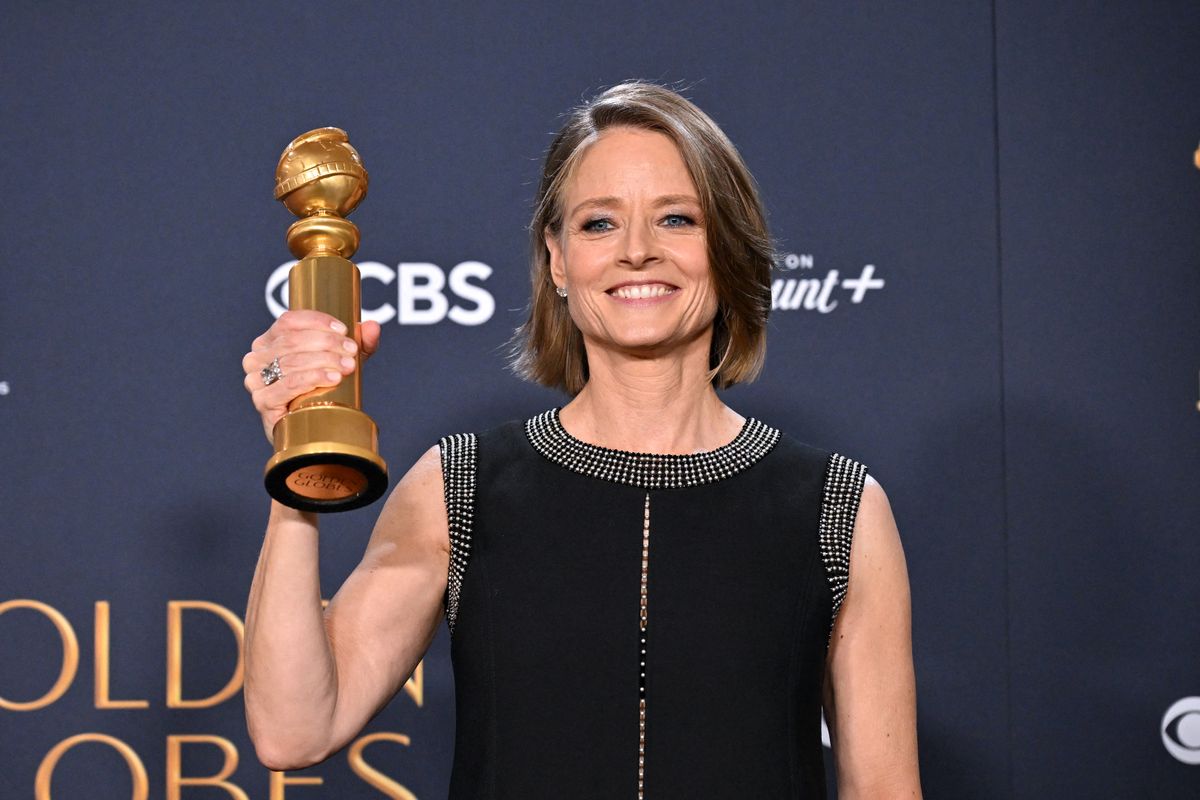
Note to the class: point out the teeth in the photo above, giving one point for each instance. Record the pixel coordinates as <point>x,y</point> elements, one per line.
<point>642,291</point>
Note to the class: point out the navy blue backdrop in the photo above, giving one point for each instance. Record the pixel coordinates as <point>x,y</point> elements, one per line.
<point>989,292</point>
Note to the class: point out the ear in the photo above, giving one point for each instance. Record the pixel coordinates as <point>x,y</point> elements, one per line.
<point>558,272</point>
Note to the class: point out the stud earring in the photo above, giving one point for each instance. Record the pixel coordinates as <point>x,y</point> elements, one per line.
<point>562,292</point>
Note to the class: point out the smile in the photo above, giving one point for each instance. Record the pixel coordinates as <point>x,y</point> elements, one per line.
<point>642,291</point>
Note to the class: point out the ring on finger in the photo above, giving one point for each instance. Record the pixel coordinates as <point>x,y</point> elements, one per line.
<point>271,372</point>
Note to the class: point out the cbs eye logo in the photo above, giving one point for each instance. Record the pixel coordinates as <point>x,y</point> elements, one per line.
<point>1181,730</point>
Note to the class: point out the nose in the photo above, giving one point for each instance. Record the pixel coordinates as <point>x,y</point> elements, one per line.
<point>640,245</point>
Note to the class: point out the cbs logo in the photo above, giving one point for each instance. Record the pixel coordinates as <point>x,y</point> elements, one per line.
<point>1181,730</point>
<point>425,294</point>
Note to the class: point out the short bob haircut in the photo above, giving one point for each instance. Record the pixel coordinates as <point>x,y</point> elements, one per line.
<point>548,347</point>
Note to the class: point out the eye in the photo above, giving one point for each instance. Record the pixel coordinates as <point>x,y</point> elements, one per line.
<point>678,220</point>
<point>597,225</point>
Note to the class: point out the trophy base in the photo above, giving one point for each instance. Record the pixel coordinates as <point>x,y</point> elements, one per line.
<point>314,467</point>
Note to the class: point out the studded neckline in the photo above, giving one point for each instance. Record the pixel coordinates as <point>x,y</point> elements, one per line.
<point>650,470</point>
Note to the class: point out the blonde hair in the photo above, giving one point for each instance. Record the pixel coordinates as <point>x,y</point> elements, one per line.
<point>548,347</point>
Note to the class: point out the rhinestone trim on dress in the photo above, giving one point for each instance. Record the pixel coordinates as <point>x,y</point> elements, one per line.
<point>844,479</point>
<point>649,470</point>
<point>643,623</point>
<point>458,477</point>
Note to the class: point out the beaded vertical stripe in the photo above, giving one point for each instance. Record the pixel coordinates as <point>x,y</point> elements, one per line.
<point>643,623</point>
<point>844,480</point>
<point>458,477</point>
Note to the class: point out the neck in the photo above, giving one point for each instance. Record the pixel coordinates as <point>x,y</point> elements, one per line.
<point>651,404</point>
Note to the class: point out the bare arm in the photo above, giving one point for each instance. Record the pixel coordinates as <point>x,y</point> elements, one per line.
<point>313,678</point>
<point>870,688</point>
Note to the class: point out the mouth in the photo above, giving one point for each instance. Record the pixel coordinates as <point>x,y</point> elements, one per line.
<point>641,291</point>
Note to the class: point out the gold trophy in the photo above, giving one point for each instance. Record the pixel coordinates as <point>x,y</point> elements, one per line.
<point>326,449</point>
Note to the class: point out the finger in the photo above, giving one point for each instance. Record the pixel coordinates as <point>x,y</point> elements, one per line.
<point>290,363</point>
<point>289,387</point>
<point>369,334</point>
<point>301,319</point>
<point>255,361</point>
<point>307,341</point>
<point>341,362</point>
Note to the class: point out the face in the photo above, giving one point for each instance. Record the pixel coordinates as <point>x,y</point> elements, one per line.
<point>632,252</point>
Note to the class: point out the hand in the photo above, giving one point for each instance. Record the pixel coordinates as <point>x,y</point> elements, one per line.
<point>314,351</point>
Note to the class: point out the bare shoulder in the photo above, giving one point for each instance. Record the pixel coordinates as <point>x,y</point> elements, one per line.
<point>876,544</point>
<point>878,591</point>
<point>874,506</point>
<point>870,691</point>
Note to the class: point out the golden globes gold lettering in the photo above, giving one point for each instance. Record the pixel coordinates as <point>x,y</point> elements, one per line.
<point>175,610</point>
<point>281,780</point>
<point>137,770</point>
<point>326,449</point>
<point>61,675</point>
<point>415,685</point>
<point>373,777</point>
<point>102,678</point>
<point>70,661</point>
<point>175,778</point>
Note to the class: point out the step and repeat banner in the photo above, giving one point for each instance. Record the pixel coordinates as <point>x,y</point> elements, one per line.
<point>988,290</point>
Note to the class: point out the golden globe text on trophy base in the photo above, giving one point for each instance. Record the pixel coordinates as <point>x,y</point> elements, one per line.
<point>326,449</point>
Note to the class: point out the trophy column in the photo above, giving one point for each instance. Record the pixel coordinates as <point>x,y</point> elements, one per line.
<point>326,449</point>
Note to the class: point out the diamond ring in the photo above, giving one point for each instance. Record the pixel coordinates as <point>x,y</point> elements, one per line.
<point>271,372</point>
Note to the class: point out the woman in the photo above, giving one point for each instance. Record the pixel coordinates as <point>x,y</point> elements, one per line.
<point>646,592</point>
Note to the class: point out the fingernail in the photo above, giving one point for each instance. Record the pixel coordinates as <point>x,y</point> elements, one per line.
<point>333,376</point>
<point>338,326</point>
<point>348,363</point>
<point>349,345</point>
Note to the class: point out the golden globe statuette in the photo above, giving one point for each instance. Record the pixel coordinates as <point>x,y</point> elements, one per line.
<point>326,449</point>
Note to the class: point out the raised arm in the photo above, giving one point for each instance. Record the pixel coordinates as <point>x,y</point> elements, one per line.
<point>314,678</point>
<point>870,689</point>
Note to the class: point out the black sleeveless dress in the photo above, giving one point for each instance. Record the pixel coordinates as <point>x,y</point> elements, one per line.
<point>628,625</point>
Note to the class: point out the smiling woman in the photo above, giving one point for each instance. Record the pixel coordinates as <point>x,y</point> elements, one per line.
<point>699,171</point>
<point>649,595</point>
<point>638,281</point>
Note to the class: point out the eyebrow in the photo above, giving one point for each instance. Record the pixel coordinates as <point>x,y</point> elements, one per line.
<point>610,201</point>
